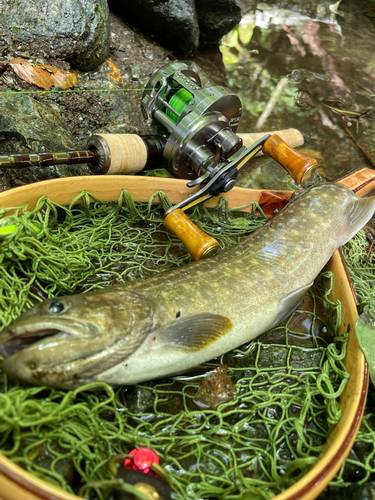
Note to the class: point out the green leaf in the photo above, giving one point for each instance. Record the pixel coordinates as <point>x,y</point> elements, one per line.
<point>158,172</point>
<point>231,39</point>
<point>245,32</point>
<point>228,56</point>
<point>365,329</point>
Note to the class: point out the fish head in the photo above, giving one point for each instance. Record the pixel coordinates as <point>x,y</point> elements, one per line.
<point>64,341</point>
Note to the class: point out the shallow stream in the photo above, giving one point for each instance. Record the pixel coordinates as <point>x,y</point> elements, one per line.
<point>319,58</point>
<point>313,65</point>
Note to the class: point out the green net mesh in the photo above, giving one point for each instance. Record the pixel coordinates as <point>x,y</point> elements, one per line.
<point>254,445</point>
<point>360,261</point>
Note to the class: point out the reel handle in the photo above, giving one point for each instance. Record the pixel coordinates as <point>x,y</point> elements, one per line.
<point>298,165</point>
<point>199,244</point>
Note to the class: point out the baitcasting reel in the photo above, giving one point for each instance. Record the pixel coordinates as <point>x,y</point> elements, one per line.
<point>198,124</point>
<point>199,128</point>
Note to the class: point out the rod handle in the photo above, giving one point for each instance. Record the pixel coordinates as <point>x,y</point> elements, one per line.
<point>291,136</point>
<point>118,153</point>
<point>272,202</point>
<point>197,242</point>
<point>299,166</point>
<point>361,181</point>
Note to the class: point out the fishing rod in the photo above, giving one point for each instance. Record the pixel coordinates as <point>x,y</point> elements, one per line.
<point>196,131</point>
<point>196,139</point>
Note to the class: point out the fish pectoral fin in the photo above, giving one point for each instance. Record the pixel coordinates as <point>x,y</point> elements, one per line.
<point>194,333</point>
<point>291,300</point>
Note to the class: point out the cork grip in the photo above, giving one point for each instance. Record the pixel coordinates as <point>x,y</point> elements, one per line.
<point>124,153</point>
<point>197,242</point>
<point>291,136</point>
<point>299,166</point>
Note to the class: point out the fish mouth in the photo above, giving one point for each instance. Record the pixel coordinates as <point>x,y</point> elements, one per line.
<point>26,340</point>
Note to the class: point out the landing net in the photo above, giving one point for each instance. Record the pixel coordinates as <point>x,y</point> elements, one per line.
<point>256,444</point>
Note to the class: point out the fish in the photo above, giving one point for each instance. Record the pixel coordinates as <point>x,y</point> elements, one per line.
<point>177,320</point>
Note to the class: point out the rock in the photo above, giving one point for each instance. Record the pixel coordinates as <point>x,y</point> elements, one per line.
<point>140,399</point>
<point>34,127</point>
<point>216,388</point>
<point>181,25</point>
<point>173,23</point>
<point>77,31</point>
<point>53,123</point>
<point>216,19</point>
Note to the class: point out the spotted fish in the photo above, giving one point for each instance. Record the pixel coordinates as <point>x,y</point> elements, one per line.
<point>176,320</point>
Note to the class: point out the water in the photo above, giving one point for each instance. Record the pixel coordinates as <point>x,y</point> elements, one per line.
<point>322,57</point>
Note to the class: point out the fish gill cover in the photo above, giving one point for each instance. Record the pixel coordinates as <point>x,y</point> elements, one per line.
<point>286,383</point>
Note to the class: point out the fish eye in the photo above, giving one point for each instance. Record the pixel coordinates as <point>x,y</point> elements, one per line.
<point>56,307</point>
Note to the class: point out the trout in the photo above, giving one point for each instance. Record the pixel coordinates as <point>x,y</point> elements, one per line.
<point>176,320</point>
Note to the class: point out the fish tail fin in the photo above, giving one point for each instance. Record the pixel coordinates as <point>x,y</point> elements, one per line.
<point>359,211</point>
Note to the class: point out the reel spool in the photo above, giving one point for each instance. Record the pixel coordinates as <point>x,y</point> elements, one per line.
<point>198,124</point>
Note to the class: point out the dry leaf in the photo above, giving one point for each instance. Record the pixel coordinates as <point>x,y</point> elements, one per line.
<point>115,72</point>
<point>43,75</point>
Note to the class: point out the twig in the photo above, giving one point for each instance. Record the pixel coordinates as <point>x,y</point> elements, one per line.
<point>272,102</point>
<point>369,251</point>
<point>368,156</point>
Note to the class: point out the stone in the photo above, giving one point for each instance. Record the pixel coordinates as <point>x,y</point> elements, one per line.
<point>28,125</point>
<point>77,31</point>
<point>216,19</point>
<point>54,123</point>
<point>181,25</point>
<point>140,400</point>
<point>172,23</point>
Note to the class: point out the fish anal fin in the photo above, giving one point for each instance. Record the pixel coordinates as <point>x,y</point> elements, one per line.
<point>290,301</point>
<point>194,333</point>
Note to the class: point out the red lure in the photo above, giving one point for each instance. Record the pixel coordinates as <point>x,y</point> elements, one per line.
<point>143,458</point>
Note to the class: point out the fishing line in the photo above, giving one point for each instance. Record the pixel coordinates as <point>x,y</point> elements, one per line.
<point>179,101</point>
<point>69,91</point>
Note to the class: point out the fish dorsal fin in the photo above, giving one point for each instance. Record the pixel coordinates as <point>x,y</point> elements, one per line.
<point>194,333</point>
<point>291,300</point>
